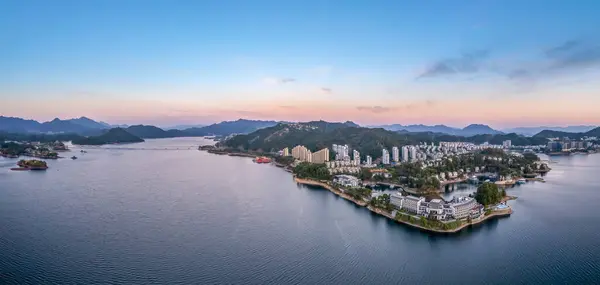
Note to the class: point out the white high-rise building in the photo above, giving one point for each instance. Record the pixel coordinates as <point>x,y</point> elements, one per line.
<point>385,156</point>
<point>395,154</point>
<point>507,144</point>
<point>369,160</point>
<point>413,153</point>
<point>341,151</point>
<point>404,153</point>
<point>356,157</point>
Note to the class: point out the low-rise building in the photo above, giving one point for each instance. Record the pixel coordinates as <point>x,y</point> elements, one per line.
<point>346,180</point>
<point>397,199</point>
<point>412,204</point>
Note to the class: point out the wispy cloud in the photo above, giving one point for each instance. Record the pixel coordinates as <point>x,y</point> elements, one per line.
<point>277,81</point>
<point>467,63</point>
<point>386,109</point>
<point>567,58</point>
<point>326,90</point>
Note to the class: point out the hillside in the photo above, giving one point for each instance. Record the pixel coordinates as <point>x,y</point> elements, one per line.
<point>530,131</point>
<point>558,134</point>
<point>18,125</point>
<point>226,128</point>
<point>369,141</point>
<point>116,135</point>
<point>81,125</point>
<point>152,132</point>
<point>470,130</point>
<point>317,135</point>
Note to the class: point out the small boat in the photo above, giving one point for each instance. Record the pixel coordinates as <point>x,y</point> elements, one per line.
<point>521,181</point>
<point>73,157</point>
<point>473,179</point>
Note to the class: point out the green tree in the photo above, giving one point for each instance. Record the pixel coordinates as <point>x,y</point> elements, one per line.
<point>488,194</point>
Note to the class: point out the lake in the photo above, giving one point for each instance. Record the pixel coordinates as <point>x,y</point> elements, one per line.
<point>162,212</point>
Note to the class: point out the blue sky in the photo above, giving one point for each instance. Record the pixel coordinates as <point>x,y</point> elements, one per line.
<point>198,61</point>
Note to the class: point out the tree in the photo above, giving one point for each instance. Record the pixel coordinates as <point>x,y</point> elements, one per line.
<point>488,194</point>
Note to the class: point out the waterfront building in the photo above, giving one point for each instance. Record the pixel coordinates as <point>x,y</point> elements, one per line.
<point>395,154</point>
<point>346,180</point>
<point>286,152</point>
<point>302,153</point>
<point>412,204</point>
<point>397,199</point>
<point>462,207</point>
<point>320,156</point>
<point>385,156</point>
<point>369,160</point>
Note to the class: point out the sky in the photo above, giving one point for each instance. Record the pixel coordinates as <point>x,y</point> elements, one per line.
<point>503,63</point>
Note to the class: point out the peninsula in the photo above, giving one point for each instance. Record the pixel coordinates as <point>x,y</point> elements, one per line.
<point>414,171</point>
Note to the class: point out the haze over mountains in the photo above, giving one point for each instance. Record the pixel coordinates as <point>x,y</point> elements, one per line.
<point>87,127</point>
<point>470,130</point>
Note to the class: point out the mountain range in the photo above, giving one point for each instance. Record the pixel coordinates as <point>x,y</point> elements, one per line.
<point>530,131</point>
<point>87,127</point>
<point>470,130</point>
<point>368,141</point>
<point>559,134</point>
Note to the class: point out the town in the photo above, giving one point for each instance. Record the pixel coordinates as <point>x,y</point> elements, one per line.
<point>414,174</point>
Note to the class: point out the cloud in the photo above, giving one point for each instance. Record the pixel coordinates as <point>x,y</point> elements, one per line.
<point>385,109</point>
<point>288,107</point>
<point>576,57</point>
<point>277,81</point>
<point>565,59</point>
<point>562,48</point>
<point>326,90</point>
<point>467,63</point>
<point>375,109</point>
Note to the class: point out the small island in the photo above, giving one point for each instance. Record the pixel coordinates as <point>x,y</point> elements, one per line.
<point>32,164</point>
<point>112,136</point>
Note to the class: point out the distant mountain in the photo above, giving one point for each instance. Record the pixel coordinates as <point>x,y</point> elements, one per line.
<point>183,127</point>
<point>60,126</point>
<point>477,129</point>
<point>18,125</point>
<point>81,125</point>
<point>558,134</point>
<point>530,131</point>
<point>226,128</point>
<point>116,135</point>
<point>421,128</point>
<point>471,130</point>
<point>368,141</point>
<point>89,123</point>
<point>152,132</point>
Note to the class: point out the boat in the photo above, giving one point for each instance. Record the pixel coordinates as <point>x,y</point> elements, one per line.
<point>521,181</point>
<point>262,159</point>
<point>73,157</point>
<point>473,179</point>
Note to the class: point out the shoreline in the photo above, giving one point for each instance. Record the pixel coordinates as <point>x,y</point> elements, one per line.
<point>494,214</point>
<point>311,182</point>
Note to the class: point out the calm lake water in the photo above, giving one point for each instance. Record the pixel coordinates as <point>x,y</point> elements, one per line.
<point>143,214</point>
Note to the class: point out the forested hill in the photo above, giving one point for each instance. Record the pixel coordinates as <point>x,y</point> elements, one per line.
<point>558,134</point>
<point>369,141</point>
